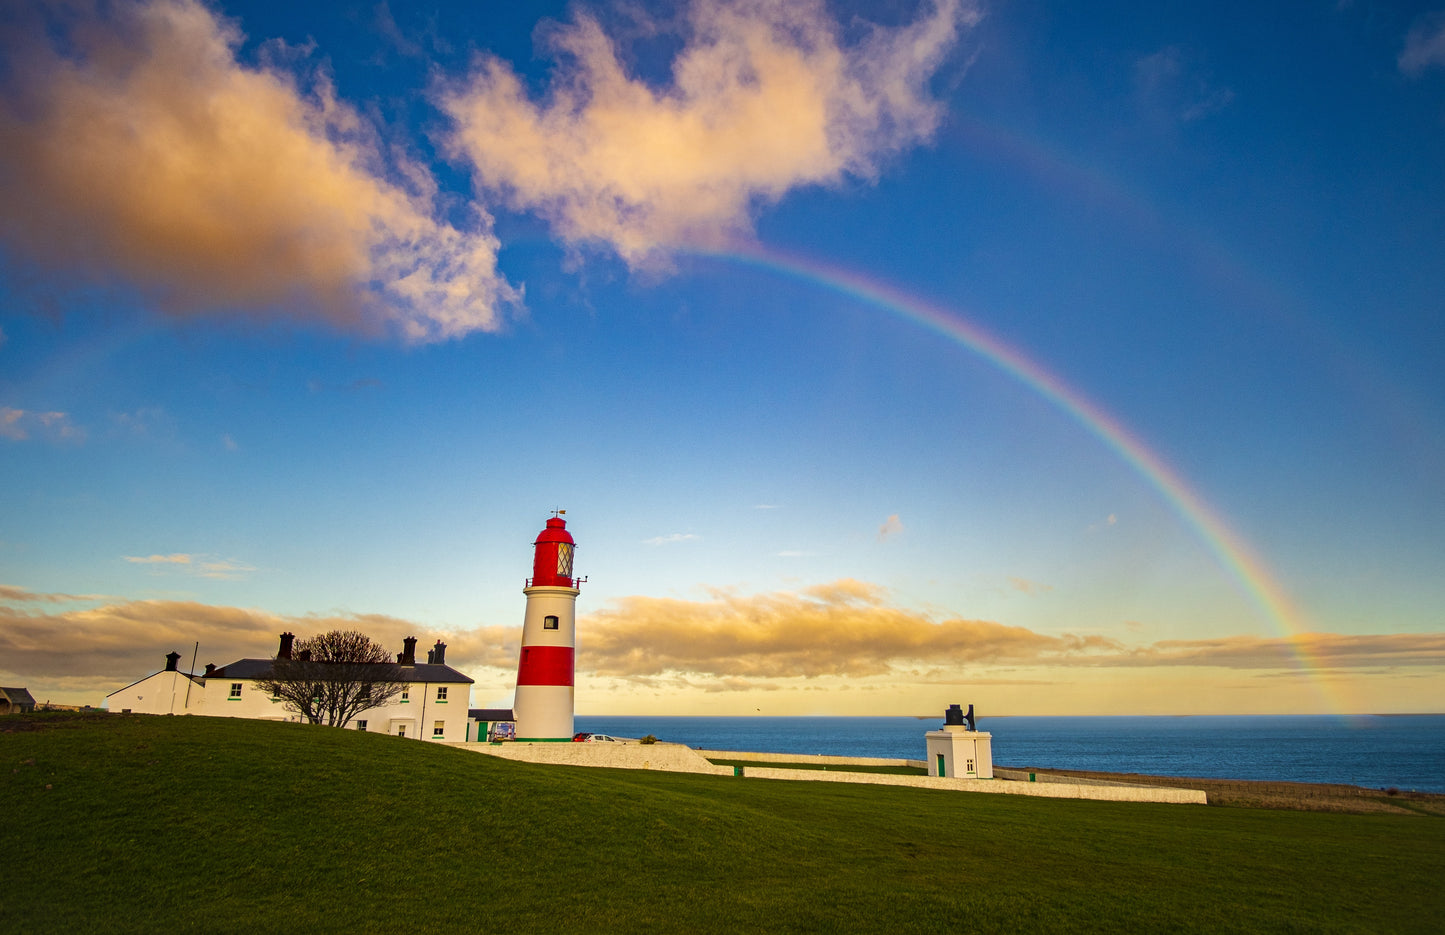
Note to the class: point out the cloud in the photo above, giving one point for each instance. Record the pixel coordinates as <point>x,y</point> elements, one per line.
<point>229,443</point>
<point>1424,44</point>
<point>847,628</point>
<point>1026,586</point>
<point>225,569</point>
<point>1307,650</point>
<point>176,558</point>
<point>138,150</point>
<point>108,646</point>
<point>892,526</point>
<point>669,539</point>
<point>843,628</point>
<point>18,425</point>
<point>200,566</point>
<point>17,595</point>
<point>1169,87</point>
<point>764,96</point>
<point>144,423</point>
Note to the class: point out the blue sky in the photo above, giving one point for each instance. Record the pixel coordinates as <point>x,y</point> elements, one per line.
<point>312,314</point>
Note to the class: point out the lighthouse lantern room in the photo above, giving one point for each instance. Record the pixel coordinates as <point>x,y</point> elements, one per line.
<point>545,673</point>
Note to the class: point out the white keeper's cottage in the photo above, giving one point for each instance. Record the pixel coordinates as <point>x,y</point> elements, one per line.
<point>433,706</point>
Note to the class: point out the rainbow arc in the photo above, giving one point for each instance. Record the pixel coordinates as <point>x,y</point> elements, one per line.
<point>1234,555</point>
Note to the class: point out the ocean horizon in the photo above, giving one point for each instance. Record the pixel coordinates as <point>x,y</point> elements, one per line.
<point>1378,751</point>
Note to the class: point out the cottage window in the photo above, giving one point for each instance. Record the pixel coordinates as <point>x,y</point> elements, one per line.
<point>401,730</point>
<point>441,694</point>
<point>361,725</point>
<point>549,622</point>
<point>235,689</point>
<point>406,696</point>
<point>438,728</point>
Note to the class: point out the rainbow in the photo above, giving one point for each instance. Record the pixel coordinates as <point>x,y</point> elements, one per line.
<point>1234,555</point>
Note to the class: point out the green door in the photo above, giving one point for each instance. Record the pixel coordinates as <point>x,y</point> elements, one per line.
<point>941,771</point>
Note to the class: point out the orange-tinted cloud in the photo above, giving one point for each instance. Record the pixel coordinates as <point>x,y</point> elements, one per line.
<point>118,641</point>
<point>764,96</point>
<point>843,628</point>
<point>847,628</point>
<point>139,150</point>
<point>1308,650</point>
<point>19,424</point>
<point>830,637</point>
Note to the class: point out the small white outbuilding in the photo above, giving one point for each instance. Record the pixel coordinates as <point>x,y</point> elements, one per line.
<point>960,751</point>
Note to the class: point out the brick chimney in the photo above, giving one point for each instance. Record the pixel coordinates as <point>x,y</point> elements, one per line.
<point>285,651</point>
<point>171,660</point>
<point>210,669</point>
<point>438,655</point>
<point>408,652</point>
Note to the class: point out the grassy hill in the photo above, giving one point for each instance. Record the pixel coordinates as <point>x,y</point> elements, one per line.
<point>186,824</point>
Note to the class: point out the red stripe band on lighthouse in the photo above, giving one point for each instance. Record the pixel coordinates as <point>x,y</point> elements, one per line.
<point>546,665</point>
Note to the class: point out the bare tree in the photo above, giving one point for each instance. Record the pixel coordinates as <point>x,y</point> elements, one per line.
<point>333,677</point>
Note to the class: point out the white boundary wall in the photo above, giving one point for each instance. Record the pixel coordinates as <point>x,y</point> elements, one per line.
<point>672,757</point>
<point>679,758</point>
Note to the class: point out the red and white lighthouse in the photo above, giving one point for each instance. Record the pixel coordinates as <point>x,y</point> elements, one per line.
<point>543,707</point>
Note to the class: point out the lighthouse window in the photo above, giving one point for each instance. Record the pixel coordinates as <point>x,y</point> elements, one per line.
<point>564,559</point>
<point>549,622</point>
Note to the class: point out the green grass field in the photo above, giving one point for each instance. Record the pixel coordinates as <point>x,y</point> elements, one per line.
<point>188,824</point>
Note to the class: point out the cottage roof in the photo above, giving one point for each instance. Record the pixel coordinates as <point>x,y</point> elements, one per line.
<point>421,672</point>
<point>17,696</point>
<point>491,714</point>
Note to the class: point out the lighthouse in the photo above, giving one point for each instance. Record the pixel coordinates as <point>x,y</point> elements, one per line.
<point>543,706</point>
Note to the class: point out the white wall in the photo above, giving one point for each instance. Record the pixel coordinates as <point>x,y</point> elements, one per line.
<point>162,693</point>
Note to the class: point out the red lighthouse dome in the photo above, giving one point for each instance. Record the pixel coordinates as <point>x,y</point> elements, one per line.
<point>552,562</point>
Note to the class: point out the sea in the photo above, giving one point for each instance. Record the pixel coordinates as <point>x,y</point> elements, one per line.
<point>1401,751</point>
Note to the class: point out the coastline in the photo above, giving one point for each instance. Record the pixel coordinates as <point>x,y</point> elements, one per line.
<point>1257,793</point>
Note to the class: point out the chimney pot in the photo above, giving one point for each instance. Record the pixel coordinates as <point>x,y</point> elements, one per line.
<point>285,651</point>
<point>408,652</point>
<point>171,660</point>
<point>210,669</point>
<point>440,653</point>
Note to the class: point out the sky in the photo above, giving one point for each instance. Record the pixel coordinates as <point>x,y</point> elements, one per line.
<point>1052,358</point>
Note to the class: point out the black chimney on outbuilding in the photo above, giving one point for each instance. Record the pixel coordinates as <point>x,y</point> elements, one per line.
<point>408,652</point>
<point>285,651</point>
<point>210,669</point>
<point>440,653</point>
<point>171,660</point>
